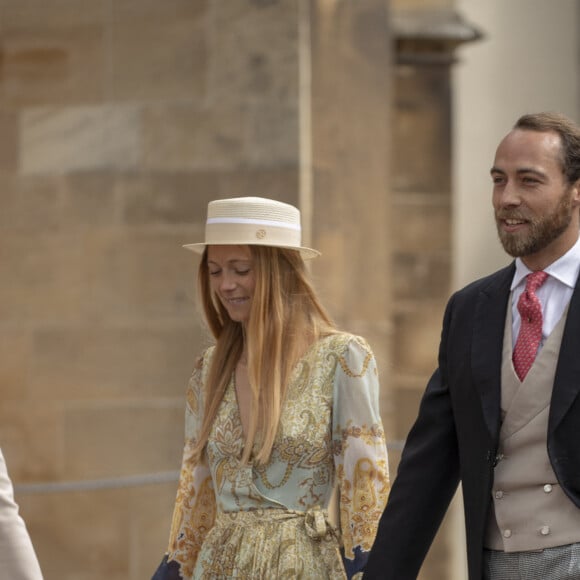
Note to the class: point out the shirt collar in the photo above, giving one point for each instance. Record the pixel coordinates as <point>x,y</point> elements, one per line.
<point>565,268</point>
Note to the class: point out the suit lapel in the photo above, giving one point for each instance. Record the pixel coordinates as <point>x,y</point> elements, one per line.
<point>567,380</point>
<point>488,328</point>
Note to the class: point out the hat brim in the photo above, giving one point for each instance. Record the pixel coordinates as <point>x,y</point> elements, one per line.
<point>306,253</point>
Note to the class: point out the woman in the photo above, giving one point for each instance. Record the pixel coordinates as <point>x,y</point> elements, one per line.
<point>280,412</point>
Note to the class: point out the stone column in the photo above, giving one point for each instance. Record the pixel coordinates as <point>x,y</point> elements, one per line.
<point>420,238</point>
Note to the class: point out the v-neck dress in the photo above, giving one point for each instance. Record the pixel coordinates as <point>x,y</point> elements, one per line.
<point>271,521</point>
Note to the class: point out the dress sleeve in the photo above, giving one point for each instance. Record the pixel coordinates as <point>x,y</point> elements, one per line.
<point>360,452</point>
<point>195,504</point>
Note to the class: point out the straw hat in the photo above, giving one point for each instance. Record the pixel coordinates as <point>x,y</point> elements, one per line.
<point>255,221</point>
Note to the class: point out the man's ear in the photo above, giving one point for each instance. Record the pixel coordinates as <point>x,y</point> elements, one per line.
<point>576,193</point>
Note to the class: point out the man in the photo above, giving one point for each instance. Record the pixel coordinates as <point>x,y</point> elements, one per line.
<point>17,558</point>
<point>501,414</point>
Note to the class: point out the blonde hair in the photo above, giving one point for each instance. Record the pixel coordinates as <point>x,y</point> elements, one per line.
<point>286,316</point>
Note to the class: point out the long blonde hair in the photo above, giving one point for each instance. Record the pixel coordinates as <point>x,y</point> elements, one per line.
<point>286,316</point>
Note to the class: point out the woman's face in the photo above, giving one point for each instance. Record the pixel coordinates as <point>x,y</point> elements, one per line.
<point>232,279</point>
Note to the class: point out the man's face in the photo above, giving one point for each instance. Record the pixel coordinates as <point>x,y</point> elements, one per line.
<point>536,209</point>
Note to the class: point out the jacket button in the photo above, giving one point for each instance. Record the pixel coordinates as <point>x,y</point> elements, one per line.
<point>498,494</point>
<point>545,530</point>
<point>548,487</point>
<point>507,533</point>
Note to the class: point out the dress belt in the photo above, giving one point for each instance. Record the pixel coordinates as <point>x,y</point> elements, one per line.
<point>315,519</point>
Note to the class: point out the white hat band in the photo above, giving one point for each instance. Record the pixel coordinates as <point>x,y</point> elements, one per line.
<point>224,220</point>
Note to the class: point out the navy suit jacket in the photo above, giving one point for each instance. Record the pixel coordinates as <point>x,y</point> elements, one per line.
<point>455,436</point>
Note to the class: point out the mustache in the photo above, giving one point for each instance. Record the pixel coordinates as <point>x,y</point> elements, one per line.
<point>511,215</point>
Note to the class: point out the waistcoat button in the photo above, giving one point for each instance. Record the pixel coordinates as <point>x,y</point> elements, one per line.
<point>548,488</point>
<point>545,530</point>
<point>507,533</point>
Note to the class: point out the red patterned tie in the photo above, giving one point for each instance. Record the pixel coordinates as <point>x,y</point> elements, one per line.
<point>530,334</point>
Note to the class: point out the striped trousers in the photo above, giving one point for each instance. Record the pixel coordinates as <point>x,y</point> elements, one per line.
<point>559,563</point>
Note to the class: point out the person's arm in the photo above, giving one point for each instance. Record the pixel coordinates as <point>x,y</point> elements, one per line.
<point>195,504</point>
<point>360,453</point>
<point>17,557</point>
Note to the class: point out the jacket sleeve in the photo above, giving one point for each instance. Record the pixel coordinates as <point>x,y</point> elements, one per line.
<point>360,452</point>
<point>195,504</point>
<point>17,557</point>
<point>426,480</point>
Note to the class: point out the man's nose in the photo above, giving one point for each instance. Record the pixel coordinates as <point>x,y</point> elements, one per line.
<point>509,195</point>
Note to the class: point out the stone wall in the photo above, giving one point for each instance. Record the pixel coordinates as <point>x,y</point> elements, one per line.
<point>120,120</point>
<point>352,91</point>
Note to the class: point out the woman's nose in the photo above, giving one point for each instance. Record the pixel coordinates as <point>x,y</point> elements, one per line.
<point>227,282</point>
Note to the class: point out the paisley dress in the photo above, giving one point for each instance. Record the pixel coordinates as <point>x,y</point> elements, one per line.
<point>272,521</point>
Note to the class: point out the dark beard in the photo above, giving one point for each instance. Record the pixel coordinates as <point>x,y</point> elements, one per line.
<point>542,231</point>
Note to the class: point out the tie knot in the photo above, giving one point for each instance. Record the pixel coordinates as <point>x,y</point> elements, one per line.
<point>535,280</point>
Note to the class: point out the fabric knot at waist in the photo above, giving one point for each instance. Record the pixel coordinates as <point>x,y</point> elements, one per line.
<point>316,522</point>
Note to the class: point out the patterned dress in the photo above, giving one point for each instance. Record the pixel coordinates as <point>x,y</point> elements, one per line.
<point>272,521</point>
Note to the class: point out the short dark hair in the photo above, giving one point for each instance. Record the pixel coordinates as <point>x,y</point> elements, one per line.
<point>569,135</point>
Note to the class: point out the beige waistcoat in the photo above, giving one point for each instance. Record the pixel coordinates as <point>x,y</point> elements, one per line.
<point>529,510</point>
